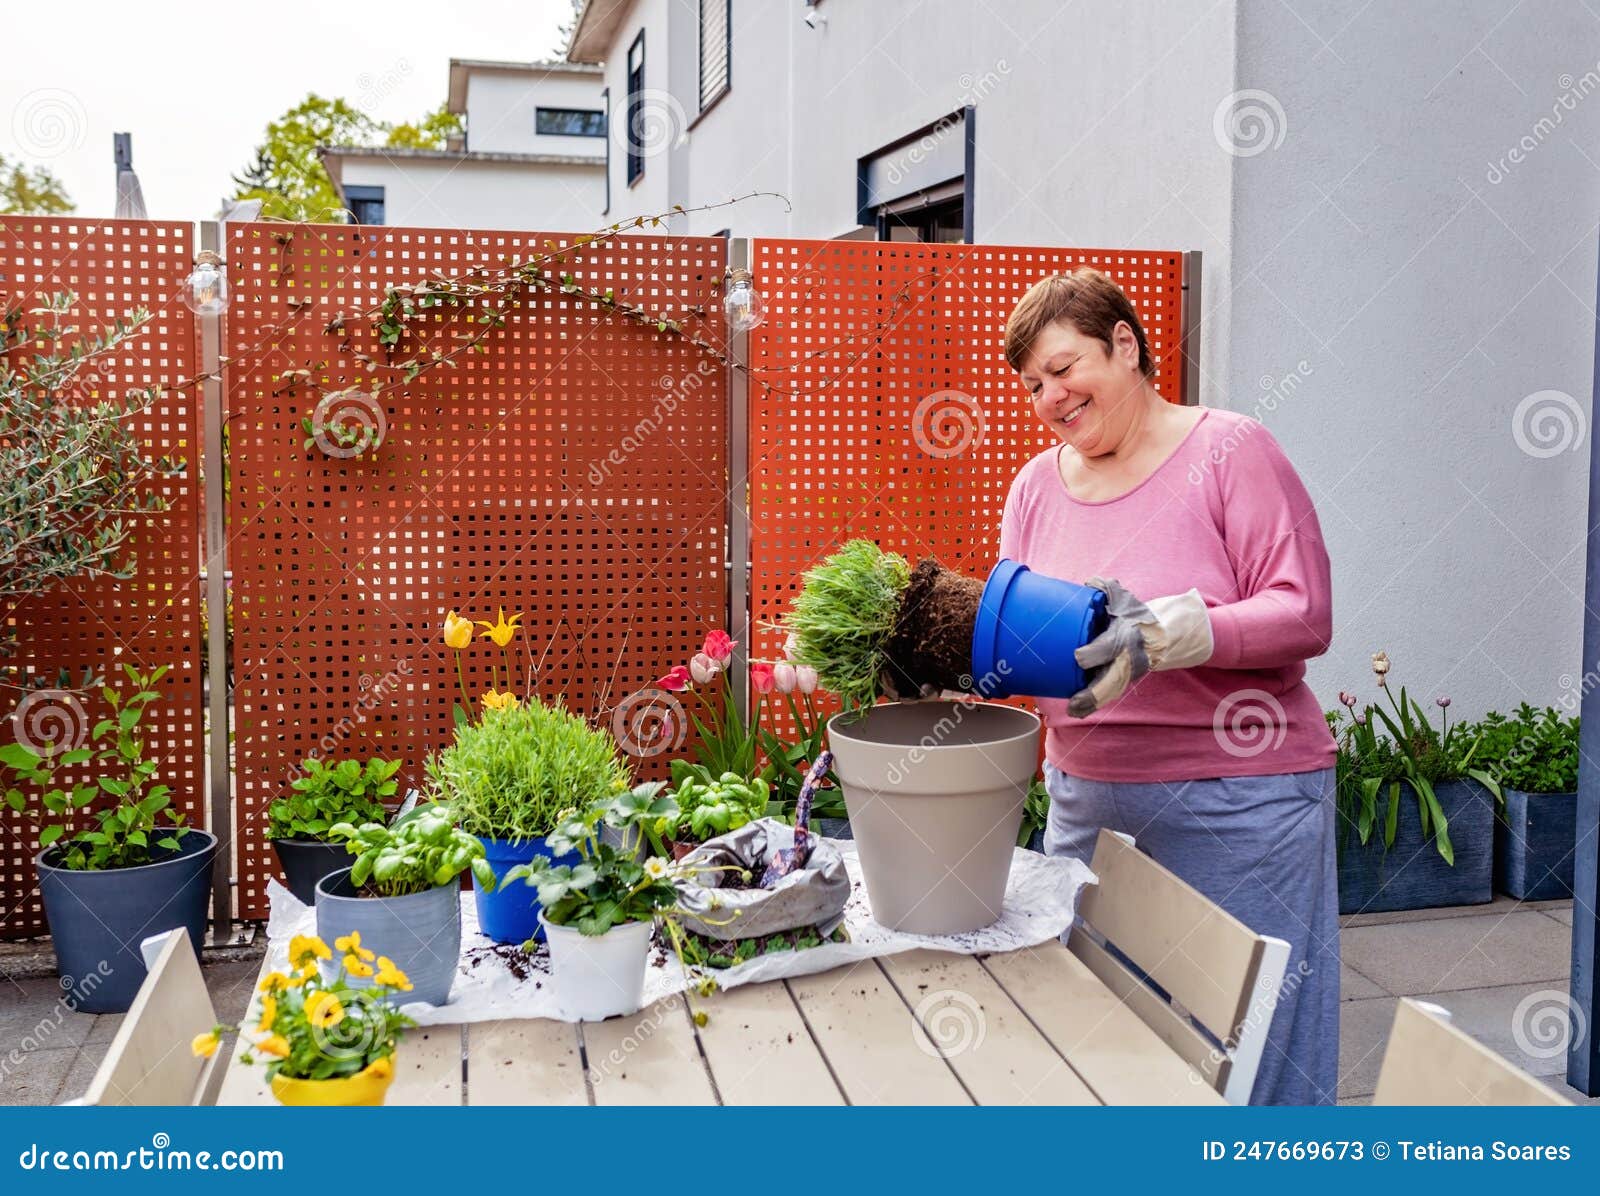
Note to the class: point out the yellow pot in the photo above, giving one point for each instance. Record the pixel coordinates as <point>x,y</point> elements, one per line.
<point>366,1087</point>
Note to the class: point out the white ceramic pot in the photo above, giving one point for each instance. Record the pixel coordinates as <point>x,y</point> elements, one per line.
<point>598,976</point>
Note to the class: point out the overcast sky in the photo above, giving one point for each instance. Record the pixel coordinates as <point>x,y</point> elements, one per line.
<point>196,84</point>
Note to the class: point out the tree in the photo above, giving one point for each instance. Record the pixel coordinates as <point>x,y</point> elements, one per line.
<point>289,178</point>
<point>35,192</point>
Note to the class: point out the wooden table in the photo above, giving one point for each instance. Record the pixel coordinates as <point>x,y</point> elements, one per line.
<point>1030,1027</point>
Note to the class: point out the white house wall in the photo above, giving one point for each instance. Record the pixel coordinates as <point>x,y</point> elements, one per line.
<point>1427,302</point>
<point>486,195</point>
<point>501,111</point>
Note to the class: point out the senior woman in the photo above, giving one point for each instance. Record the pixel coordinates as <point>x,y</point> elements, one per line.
<point>1196,733</point>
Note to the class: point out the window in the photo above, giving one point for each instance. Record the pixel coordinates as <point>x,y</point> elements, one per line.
<point>716,49</point>
<point>570,122</point>
<point>365,204</point>
<point>938,223</point>
<point>605,98</point>
<point>635,109</point>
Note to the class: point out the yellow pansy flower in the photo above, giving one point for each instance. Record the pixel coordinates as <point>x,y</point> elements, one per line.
<point>269,1013</point>
<point>457,631</point>
<point>275,982</point>
<point>357,967</point>
<point>498,701</point>
<point>392,977</point>
<point>502,631</point>
<point>304,947</point>
<point>350,944</point>
<point>205,1045</point>
<point>323,1010</point>
<point>274,1044</point>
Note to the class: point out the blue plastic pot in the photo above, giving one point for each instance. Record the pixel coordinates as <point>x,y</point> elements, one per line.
<point>1027,630</point>
<point>510,914</point>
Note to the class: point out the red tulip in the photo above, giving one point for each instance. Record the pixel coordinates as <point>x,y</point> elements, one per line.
<point>719,647</point>
<point>761,678</point>
<point>677,680</point>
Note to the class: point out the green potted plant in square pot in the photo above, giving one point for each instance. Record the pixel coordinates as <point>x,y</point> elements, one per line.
<point>300,822</point>
<point>1534,756</point>
<point>598,913</point>
<point>508,778</point>
<point>134,872</point>
<point>1415,812</point>
<point>706,806</point>
<point>404,891</point>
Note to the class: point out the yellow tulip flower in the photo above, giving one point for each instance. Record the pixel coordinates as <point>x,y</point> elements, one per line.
<point>498,701</point>
<point>205,1045</point>
<point>502,630</point>
<point>457,631</point>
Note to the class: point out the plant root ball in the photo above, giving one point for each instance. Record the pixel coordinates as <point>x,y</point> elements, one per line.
<point>932,640</point>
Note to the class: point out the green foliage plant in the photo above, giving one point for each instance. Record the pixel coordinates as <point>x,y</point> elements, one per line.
<point>843,617</point>
<point>329,793</point>
<point>420,851</point>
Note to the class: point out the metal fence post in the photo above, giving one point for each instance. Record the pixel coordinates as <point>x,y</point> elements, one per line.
<point>739,494</point>
<point>1189,334</point>
<point>219,770</point>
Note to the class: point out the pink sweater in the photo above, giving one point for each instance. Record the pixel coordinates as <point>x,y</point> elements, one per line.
<point>1225,514</point>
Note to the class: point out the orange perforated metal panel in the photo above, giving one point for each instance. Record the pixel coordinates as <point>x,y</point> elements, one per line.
<point>114,267</point>
<point>881,405</point>
<point>576,472</point>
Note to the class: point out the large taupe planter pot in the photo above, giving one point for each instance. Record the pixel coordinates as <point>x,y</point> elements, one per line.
<point>935,792</point>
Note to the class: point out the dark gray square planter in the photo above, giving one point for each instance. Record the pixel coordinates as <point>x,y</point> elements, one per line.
<point>1412,874</point>
<point>1533,847</point>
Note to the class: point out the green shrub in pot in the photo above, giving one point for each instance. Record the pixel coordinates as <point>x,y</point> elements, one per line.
<point>117,863</point>
<point>1534,756</point>
<point>404,890</point>
<point>300,821</point>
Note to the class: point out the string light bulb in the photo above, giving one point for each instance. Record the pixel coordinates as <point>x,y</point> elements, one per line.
<point>205,291</point>
<point>743,304</point>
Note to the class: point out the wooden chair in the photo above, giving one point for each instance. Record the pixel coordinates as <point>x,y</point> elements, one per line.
<point>149,1062</point>
<point>1431,1062</point>
<point>1218,980</point>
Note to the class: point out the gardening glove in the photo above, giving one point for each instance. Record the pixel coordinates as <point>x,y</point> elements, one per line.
<point>1142,637</point>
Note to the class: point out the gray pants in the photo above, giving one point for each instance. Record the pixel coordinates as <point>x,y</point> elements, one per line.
<point>1263,849</point>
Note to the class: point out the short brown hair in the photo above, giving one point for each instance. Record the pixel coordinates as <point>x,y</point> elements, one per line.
<point>1087,300</point>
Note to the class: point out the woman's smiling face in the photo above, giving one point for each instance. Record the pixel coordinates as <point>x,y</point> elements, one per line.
<point>1084,394</point>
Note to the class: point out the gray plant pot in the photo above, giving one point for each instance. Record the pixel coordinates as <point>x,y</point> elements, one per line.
<point>935,793</point>
<point>306,861</point>
<point>98,919</point>
<point>421,932</point>
<point>1534,846</point>
<point>1412,874</point>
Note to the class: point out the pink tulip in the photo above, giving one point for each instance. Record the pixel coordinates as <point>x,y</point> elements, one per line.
<point>783,677</point>
<point>719,647</point>
<point>761,677</point>
<point>703,669</point>
<point>805,679</point>
<point>676,681</point>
